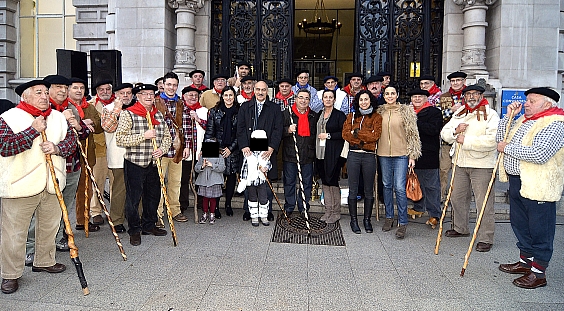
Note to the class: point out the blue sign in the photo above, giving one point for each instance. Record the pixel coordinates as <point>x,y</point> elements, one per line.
<point>510,95</point>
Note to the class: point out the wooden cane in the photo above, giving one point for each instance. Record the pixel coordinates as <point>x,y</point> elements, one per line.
<point>86,205</point>
<point>447,200</point>
<point>377,204</point>
<point>192,173</point>
<point>276,197</point>
<point>492,179</point>
<point>163,186</point>
<point>68,229</point>
<point>100,196</point>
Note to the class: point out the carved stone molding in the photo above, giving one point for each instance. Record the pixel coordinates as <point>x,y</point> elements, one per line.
<point>185,56</point>
<point>474,57</point>
<point>195,5</point>
<point>467,3</point>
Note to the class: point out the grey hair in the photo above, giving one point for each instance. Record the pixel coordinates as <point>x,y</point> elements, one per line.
<point>552,102</point>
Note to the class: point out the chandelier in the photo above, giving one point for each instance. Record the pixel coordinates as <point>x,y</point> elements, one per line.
<point>319,27</point>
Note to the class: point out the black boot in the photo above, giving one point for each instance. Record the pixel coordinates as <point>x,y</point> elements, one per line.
<point>354,220</point>
<point>368,205</point>
<point>228,210</point>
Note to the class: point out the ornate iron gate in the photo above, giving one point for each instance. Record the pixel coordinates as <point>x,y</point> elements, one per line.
<point>257,31</point>
<point>401,37</point>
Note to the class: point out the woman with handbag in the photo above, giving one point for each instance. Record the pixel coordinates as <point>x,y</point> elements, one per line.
<point>221,127</point>
<point>328,147</point>
<point>362,130</point>
<point>398,149</point>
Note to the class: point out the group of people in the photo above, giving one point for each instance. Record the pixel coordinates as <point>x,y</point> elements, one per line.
<point>126,130</point>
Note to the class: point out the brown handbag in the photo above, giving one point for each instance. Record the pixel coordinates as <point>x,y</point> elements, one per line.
<point>413,188</point>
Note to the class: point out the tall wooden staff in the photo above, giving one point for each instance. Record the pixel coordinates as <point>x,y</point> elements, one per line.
<point>192,172</point>
<point>72,246</point>
<point>163,186</point>
<point>479,220</point>
<point>275,196</point>
<point>86,205</point>
<point>99,195</point>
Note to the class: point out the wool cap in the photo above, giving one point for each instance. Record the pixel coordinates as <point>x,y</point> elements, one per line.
<point>544,91</point>
<point>457,74</point>
<point>474,87</point>
<point>418,91</point>
<point>22,87</point>
<point>141,87</point>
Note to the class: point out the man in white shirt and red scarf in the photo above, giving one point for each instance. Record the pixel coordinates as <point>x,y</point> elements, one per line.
<point>197,77</point>
<point>354,86</point>
<point>26,186</point>
<point>532,163</point>
<point>285,97</point>
<point>302,78</point>
<point>331,83</point>
<point>210,98</point>
<point>427,83</point>
<point>247,89</point>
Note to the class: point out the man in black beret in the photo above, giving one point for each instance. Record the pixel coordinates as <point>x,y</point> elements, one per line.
<point>197,77</point>
<point>26,187</point>
<point>331,83</point>
<point>140,170</point>
<point>532,163</point>
<point>427,82</point>
<point>285,97</point>
<point>246,91</point>
<point>375,86</point>
<point>210,98</point>
<point>386,78</point>
<point>160,84</point>
<point>354,86</point>
<point>242,70</point>
<point>303,83</point>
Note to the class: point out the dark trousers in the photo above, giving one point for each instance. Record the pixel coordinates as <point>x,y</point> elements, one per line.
<point>290,189</point>
<point>431,189</point>
<point>258,193</point>
<point>361,165</point>
<point>185,184</point>
<point>231,181</point>
<point>269,195</point>
<point>141,183</point>
<point>533,222</point>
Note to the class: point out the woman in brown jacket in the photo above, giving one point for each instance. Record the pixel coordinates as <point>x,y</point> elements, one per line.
<point>362,130</point>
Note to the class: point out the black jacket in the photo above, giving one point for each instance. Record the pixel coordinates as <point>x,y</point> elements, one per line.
<point>334,146</point>
<point>270,120</point>
<point>306,145</point>
<point>214,131</point>
<point>429,124</point>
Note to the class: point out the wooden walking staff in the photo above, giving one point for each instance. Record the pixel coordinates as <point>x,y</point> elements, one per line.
<point>447,200</point>
<point>163,186</point>
<point>68,230</point>
<point>276,197</point>
<point>86,205</point>
<point>99,195</point>
<point>492,179</point>
<point>192,172</point>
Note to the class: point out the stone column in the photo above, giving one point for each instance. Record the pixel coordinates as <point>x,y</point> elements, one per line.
<point>474,48</point>
<point>185,57</point>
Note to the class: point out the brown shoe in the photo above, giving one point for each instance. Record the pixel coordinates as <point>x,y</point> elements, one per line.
<point>135,239</point>
<point>9,286</point>
<point>433,221</point>
<point>529,281</point>
<point>160,223</point>
<point>454,234</point>
<point>56,268</point>
<point>155,231</point>
<point>180,218</point>
<point>483,247</point>
<point>97,220</point>
<point>514,268</point>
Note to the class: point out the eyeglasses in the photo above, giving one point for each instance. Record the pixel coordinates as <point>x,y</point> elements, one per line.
<point>302,77</point>
<point>425,83</point>
<point>151,94</point>
<point>331,82</point>
<point>473,94</point>
<point>301,97</point>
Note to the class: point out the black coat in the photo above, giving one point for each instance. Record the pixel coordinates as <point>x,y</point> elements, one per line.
<point>306,145</point>
<point>270,120</point>
<point>429,124</point>
<point>214,131</point>
<point>334,146</point>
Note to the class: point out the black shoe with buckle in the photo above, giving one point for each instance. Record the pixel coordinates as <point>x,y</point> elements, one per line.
<point>119,228</point>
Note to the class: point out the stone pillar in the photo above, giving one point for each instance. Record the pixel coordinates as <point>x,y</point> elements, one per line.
<point>474,48</point>
<point>185,57</point>
<point>8,50</point>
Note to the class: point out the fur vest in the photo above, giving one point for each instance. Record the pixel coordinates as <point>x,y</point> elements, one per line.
<point>413,143</point>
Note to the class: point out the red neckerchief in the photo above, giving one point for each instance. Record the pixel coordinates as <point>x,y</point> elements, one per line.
<point>62,107</point>
<point>83,105</point>
<point>303,122</point>
<point>201,87</point>
<point>105,102</point>
<point>141,111</point>
<point>434,89</point>
<point>218,91</point>
<point>193,107</point>
<point>458,93</point>
<point>247,96</point>
<point>425,105</point>
<point>33,110</point>
<point>546,113</point>
<point>284,98</point>
<point>480,107</point>
<point>349,90</point>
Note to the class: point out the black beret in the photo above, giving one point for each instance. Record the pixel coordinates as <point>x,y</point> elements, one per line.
<point>244,63</point>
<point>474,87</point>
<point>384,73</point>
<point>140,87</point>
<point>193,72</point>
<point>160,79</point>
<point>22,87</point>
<point>285,80</point>
<point>356,74</point>
<point>373,79</point>
<point>57,79</point>
<point>221,75</point>
<point>122,86</point>
<point>418,91</point>
<point>190,89</point>
<point>427,77</point>
<point>457,74</point>
<point>302,71</point>
<point>78,80</point>
<point>544,91</point>
<point>99,83</point>
<point>247,78</point>
<point>330,77</point>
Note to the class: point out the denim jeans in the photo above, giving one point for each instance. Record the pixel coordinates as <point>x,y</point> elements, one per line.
<point>291,190</point>
<point>141,183</point>
<point>431,189</point>
<point>361,166</point>
<point>394,172</point>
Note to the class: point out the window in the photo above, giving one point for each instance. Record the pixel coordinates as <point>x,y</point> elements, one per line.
<point>44,27</point>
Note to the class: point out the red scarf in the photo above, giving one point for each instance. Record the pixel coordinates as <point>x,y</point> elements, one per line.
<point>247,96</point>
<point>62,107</point>
<point>33,110</point>
<point>83,105</point>
<point>193,107</point>
<point>480,107</point>
<point>284,98</point>
<point>434,89</point>
<point>458,93</point>
<point>546,113</point>
<point>218,91</point>
<point>303,121</point>
<point>349,90</point>
<point>141,111</point>
<point>201,87</point>
<point>425,105</point>
<point>105,102</point>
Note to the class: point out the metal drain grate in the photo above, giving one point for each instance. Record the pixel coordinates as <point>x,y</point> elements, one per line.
<point>296,231</point>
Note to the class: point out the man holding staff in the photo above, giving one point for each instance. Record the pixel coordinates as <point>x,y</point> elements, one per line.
<point>532,163</point>
<point>26,187</point>
<point>140,170</point>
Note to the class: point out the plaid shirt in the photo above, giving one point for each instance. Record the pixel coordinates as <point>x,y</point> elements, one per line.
<point>190,127</point>
<point>245,168</point>
<point>110,119</point>
<point>434,99</point>
<point>545,144</point>
<point>291,100</point>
